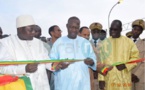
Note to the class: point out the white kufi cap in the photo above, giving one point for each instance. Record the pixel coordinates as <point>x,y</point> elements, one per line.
<point>24,20</point>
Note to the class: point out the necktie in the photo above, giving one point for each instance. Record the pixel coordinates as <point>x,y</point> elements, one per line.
<point>95,43</point>
<point>134,40</point>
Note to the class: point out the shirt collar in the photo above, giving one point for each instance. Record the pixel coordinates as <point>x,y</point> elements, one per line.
<point>96,40</point>
<point>134,39</point>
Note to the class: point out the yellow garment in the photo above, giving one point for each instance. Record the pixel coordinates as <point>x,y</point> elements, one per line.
<point>18,85</point>
<point>120,49</point>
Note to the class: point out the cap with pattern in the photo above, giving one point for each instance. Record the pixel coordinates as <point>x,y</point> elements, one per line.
<point>139,22</point>
<point>96,26</point>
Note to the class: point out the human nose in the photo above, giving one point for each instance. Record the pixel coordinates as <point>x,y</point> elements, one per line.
<point>33,31</point>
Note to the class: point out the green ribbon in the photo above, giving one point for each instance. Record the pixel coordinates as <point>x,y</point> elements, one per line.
<point>3,62</point>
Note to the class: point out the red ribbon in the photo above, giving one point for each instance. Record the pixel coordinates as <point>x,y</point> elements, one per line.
<point>5,79</point>
<point>106,69</point>
<point>136,61</point>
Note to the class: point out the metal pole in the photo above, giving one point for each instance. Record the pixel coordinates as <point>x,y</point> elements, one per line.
<point>110,14</point>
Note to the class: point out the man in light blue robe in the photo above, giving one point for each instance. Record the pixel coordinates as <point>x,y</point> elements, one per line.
<point>74,76</point>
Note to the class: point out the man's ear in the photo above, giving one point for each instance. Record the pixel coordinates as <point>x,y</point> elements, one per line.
<point>141,31</point>
<point>121,30</point>
<point>20,30</point>
<point>51,33</point>
<point>67,26</point>
<point>79,33</point>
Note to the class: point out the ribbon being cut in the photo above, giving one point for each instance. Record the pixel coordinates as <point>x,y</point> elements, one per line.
<point>107,68</point>
<point>12,82</point>
<point>9,82</point>
<point>3,63</point>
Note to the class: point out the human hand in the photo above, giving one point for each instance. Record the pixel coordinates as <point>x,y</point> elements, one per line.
<point>30,68</point>
<point>89,61</point>
<point>101,66</point>
<point>134,78</point>
<point>102,85</point>
<point>121,67</point>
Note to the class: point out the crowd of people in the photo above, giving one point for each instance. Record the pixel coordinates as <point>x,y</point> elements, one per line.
<point>94,55</point>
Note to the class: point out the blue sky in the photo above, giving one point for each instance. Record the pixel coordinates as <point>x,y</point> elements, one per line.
<point>56,12</point>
